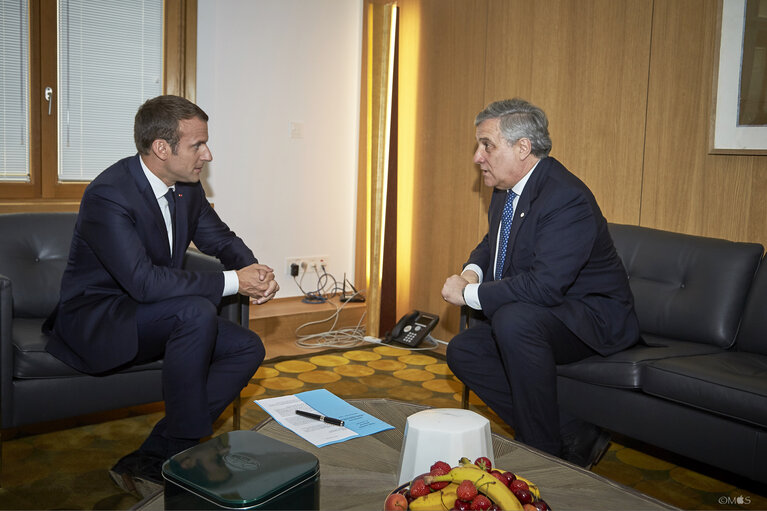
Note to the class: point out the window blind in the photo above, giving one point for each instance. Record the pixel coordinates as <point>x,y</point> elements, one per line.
<point>14,90</point>
<point>110,61</point>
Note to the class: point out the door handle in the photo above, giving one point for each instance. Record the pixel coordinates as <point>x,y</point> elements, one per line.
<point>49,98</point>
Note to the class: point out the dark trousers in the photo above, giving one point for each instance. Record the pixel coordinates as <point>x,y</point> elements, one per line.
<point>207,360</point>
<point>510,363</point>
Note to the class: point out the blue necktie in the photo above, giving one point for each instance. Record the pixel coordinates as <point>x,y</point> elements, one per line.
<point>503,239</point>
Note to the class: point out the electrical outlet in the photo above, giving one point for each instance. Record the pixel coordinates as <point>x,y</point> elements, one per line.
<point>307,264</point>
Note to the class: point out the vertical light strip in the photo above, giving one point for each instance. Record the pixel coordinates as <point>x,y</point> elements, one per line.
<point>407,115</point>
<point>384,29</point>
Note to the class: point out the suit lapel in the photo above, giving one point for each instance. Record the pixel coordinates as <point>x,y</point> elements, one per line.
<point>524,205</point>
<point>147,195</point>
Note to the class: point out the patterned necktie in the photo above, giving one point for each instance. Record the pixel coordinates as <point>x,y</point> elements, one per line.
<point>503,239</point>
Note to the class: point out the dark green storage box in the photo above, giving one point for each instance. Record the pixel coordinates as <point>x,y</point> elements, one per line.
<point>242,470</point>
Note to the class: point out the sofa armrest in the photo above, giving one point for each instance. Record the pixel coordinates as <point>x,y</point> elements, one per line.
<point>235,308</point>
<point>6,345</point>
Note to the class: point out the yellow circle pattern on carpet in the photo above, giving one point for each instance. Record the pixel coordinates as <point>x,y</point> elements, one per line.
<point>413,375</point>
<point>362,356</point>
<point>387,365</point>
<point>329,360</point>
<point>281,383</point>
<point>265,372</point>
<point>442,385</point>
<point>388,351</point>
<point>439,369</point>
<point>319,377</point>
<point>354,370</point>
<point>294,366</point>
<point>417,360</point>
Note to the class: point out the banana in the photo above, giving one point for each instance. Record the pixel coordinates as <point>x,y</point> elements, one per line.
<point>440,500</point>
<point>485,483</point>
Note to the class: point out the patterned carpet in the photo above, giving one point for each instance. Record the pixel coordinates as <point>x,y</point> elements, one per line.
<point>64,466</point>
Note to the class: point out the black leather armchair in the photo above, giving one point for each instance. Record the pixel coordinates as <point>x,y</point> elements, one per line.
<point>35,386</point>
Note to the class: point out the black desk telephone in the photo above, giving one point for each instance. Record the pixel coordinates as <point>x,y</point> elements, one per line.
<point>412,328</point>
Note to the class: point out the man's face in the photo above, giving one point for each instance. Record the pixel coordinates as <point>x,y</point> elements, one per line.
<point>502,165</point>
<point>191,154</point>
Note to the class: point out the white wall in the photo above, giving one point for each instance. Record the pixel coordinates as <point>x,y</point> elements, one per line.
<point>262,64</point>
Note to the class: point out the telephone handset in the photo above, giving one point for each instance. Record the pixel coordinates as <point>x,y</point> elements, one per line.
<point>412,328</point>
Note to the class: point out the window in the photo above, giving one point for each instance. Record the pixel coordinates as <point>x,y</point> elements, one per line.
<point>72,74</point>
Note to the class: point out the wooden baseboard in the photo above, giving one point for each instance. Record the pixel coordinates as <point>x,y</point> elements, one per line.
<point>277,320</point>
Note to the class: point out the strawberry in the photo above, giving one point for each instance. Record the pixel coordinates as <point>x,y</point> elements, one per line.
<point>466,491</point>
<point>441,464</point>
<point>418,489</point>
<point>484,463</point>
<point>438,471</point>
<point>480,502</point>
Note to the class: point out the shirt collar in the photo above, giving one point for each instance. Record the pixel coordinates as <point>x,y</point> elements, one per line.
<point>158,187</point>
<point>517,188</point>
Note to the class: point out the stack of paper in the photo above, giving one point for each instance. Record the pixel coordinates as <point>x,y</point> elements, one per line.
<point>321,402</point>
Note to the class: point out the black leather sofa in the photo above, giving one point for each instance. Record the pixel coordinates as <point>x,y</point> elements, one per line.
<point>697,384</point>
<point>35,386</point>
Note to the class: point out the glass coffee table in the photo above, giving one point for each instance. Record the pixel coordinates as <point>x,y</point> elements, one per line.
<point>358,474</point>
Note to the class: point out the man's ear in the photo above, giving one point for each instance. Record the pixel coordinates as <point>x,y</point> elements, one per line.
<point>525,148</point>
<point>161,148</point>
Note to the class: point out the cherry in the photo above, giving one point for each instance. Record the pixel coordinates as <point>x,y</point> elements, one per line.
<point>524,496</point>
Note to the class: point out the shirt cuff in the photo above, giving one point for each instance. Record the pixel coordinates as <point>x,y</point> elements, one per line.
<point>476,269</point>
<point>231,283</point>
<point>471,296</point>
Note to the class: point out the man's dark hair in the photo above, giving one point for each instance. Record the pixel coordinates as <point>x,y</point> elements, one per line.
<point>159,118</point>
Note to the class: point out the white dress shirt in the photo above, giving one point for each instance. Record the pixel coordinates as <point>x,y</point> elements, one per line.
<point>231,281</point>
<point>471,291</point>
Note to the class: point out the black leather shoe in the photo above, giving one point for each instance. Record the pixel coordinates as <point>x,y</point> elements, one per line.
<point>586,447</point>
<point>138,473</point>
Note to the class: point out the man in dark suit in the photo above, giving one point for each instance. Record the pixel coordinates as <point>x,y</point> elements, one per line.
<point>126,300</point>
<point>547,279</point>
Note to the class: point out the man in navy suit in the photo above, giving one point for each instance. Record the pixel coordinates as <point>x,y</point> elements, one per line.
<point>126,300</point>
<point>547,280</point>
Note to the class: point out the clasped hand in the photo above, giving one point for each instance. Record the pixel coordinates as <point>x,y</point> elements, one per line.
<point>257,281</point>
<point>452,290</point>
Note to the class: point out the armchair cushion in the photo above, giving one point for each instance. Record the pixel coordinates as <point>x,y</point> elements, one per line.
<point>32,361</point>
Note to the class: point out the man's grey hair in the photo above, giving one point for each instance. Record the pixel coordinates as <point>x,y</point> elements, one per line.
<point>520,119</point>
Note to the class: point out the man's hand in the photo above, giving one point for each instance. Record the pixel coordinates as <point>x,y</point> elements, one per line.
<point>257,281</point>
<point>452,291</point>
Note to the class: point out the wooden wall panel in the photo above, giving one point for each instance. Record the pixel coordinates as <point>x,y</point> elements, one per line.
<point>586,64</point>
<point>686,189</point>
<point>441,75</point>
<point>627,86</point>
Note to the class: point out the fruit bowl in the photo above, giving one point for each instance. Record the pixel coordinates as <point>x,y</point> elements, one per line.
<point>466,486</point>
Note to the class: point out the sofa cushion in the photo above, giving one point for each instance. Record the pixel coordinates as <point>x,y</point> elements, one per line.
<point>34,252</point>
<point>689,288</point>
<point>752,336</point>
<point>32,361</point>
<point>732,384</point>
<point>624,369</point>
